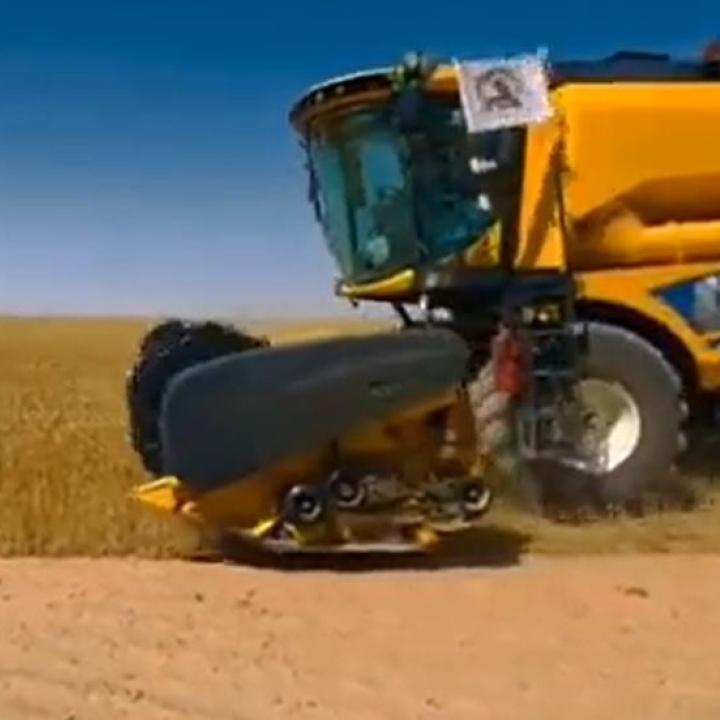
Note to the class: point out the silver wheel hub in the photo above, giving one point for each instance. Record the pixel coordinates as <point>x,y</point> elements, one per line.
<point>610,425</point>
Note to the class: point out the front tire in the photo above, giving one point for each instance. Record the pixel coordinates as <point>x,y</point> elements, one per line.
<point>638,423</point>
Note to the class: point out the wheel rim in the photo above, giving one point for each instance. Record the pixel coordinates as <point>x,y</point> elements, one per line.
<point>477,499</point>
<point>348,491</point>
<point>308,509</point>
<point>612,424</point>
<point>349,494</point>
<point>303,506</point>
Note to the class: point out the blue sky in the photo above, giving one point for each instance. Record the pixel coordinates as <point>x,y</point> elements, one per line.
<point>146,163</point>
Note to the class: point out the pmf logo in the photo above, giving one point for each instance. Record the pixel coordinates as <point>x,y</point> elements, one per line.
<point>499,90</point>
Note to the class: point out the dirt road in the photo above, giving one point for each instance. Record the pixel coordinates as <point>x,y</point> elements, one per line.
<point>575,638</point>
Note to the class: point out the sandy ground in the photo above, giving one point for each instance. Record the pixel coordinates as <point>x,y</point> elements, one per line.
<point>569,638</point>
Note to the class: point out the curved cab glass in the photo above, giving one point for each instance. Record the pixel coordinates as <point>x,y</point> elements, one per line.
<point>388,200</point>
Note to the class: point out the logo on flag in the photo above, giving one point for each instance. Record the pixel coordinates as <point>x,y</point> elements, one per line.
<point>504,93</point>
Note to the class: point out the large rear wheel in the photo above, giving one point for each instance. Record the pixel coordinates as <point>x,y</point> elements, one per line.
<point>627,434</point>
<point>622,432</point>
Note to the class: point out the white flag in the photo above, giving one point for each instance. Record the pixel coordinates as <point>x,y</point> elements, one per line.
<point>504,93</point>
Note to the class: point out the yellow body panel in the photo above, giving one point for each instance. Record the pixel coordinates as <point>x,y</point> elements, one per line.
<point>634,289</point>
<point>624,241</point>
<point>163,494</point>
<point>642,173</point>
<point>398,285</point>
<point>253,498</point>
<point>540,243</point>
<point>650,146</point>
<point>640,168</point>
<point>484,254</point>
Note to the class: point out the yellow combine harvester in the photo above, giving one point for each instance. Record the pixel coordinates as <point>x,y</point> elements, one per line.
<point>549,235</point>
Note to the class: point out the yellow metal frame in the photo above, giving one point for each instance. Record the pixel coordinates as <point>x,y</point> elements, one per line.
<point>635,290</point>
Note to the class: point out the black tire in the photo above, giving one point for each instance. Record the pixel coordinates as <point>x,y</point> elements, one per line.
<point>164,333</point>
<point>617,355</point>
<point>168,349</point>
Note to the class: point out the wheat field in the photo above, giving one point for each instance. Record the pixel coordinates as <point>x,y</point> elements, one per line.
<point>66,468</point>
<point>65,465</point>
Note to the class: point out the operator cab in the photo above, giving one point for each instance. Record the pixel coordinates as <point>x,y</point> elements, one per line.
<point>391,177</point>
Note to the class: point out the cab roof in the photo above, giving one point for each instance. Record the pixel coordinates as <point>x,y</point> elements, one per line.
<point>622,66</point>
